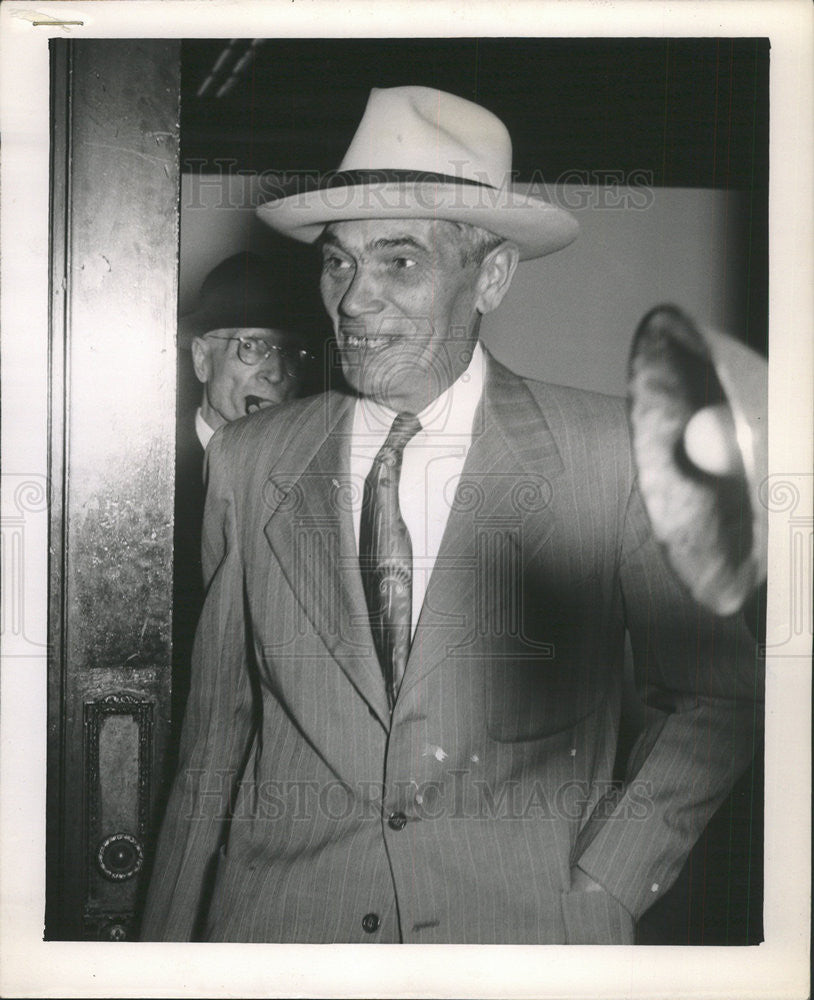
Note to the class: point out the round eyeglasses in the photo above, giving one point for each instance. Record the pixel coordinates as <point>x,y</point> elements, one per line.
<point>254,350</point>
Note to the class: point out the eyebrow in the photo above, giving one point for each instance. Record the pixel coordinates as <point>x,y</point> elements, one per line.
<point>383,243</point>
<point>380,243</point>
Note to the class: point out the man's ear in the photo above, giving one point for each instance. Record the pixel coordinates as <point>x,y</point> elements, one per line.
<point>496,273</point>
<point>201,360</point>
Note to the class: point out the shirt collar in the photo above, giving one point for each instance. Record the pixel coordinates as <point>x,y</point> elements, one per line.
<point>202,429</point>
<point>450,413</point>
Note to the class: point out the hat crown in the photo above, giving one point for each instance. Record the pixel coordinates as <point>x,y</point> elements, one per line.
<point>426,130</point>
<point>240,278</point>
<point>420,153</point>
<point>244,292</point>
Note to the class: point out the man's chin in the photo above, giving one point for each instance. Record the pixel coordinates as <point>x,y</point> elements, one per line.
<point>400,394</point>
<point>394,375</point>
<point>368,385</point>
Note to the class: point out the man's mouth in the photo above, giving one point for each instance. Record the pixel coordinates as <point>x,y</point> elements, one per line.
<point>368,343</point>
<point>255,403</point>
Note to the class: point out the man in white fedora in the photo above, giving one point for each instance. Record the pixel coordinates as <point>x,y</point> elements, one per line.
<point>406,691</point>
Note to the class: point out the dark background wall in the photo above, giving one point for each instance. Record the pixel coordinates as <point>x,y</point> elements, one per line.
<point>693,111</point>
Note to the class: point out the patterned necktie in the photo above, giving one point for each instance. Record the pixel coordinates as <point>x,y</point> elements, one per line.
<point>386,556</point>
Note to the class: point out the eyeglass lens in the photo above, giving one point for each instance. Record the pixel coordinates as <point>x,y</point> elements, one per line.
<point>252,352</point>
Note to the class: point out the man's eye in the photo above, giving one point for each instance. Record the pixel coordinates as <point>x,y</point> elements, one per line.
<point>403,263</point>
<point>335,264</point>
<point>251,351</point>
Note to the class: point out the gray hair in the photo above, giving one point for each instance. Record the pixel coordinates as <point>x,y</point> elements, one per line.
<point>476,243</point>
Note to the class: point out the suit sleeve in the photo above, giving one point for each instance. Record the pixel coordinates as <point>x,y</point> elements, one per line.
<point>217,731</point>
<point>701,682</point>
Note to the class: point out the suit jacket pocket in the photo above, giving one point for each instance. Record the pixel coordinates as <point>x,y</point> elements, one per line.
<point>539,699</point>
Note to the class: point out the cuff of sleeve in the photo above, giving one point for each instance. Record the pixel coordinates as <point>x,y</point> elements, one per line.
<point>596,918</point>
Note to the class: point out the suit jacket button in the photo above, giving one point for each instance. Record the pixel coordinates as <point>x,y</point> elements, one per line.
<point>397,821</point>
<point>370,922</point>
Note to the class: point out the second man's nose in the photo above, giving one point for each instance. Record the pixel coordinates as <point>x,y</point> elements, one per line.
<point>273,368</point>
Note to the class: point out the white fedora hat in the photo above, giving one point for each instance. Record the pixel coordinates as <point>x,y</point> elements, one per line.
<point>420,153</point>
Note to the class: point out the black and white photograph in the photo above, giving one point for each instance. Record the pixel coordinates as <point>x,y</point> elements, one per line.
<point>416,490</point>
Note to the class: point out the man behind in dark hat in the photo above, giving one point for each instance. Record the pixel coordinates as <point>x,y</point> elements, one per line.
<point>248,348</point>
<point>248,335</point>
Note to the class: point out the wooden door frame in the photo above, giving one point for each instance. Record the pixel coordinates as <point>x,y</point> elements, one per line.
<point>114,189</point>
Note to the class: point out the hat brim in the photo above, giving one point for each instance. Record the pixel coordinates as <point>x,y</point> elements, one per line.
<point>249,313</point>
<point>191,325</point>
<point>200,321</point>
<point>537,227</point>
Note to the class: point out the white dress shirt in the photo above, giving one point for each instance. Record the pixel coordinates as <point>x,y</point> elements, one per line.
<point>432,465</point>
<point>202,429</point>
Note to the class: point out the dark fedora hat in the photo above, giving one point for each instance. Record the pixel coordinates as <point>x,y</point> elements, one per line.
<point>242,291</point>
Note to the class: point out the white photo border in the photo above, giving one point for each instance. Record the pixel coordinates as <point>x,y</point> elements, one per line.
<point>779,966</point>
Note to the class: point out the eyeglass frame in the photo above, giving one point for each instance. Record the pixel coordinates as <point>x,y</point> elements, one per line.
<point>303,355</point>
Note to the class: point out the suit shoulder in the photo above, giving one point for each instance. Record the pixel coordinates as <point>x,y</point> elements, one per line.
<point>272,431</point>
<point>591,431</point>
<point>578,404</point>
<point>277,423</point>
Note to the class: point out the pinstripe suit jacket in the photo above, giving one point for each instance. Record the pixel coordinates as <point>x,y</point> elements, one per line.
<point>300,807</point>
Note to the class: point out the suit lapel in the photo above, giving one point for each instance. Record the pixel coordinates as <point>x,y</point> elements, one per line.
<point>311,534</point>
<point>505,488</point>
<point>504,492</point>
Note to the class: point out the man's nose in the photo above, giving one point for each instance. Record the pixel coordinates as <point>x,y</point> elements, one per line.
<point>362,295</point>
<point>273,368</point>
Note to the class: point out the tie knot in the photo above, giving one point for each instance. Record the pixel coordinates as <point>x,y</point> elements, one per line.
<point>405,427</point>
